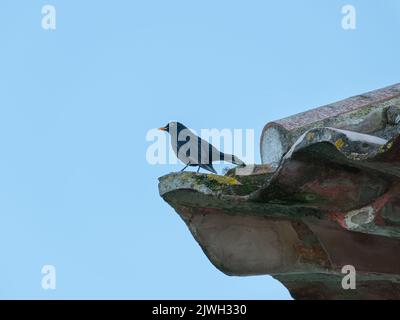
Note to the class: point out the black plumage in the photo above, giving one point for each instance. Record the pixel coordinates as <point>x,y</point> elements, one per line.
<point>194,151</point>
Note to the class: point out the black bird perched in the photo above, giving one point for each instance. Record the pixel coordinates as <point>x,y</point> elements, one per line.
<point>194,151</point>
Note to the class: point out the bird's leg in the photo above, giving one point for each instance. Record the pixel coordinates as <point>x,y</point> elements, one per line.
<point>198,169</point>
<point>185,167</point>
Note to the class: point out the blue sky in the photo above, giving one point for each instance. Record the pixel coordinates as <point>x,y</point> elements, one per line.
<point>76,103</point>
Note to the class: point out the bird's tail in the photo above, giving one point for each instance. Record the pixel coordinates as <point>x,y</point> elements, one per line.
<point>232,159</point>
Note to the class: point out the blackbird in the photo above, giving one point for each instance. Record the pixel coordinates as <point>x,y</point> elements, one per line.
<point>194,151</point>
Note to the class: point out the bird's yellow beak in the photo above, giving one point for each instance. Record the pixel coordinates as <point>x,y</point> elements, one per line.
<point>162,129</point>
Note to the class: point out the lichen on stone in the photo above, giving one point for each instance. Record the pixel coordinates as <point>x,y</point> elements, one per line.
<point>224,180</point>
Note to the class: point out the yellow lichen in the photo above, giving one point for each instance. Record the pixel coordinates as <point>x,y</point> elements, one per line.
<point>223,179</point>
<point>339,144</point>
<point>310,136</point>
